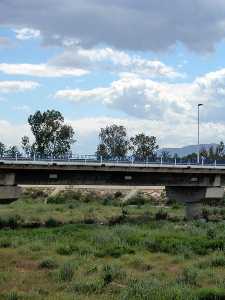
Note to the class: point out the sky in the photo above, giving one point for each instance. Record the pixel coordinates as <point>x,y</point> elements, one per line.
<point>143,64</point>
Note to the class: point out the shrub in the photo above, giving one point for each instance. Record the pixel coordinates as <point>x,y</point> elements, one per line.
<point>218,261</point>
<point>57,199</point>
<point>12,296</point>
<point>211,294</point>
<point>66,272</point>
<point>6,243</point>
<point>35,193</point>
<point>48,263</point>
<point>64,250</point>
<point>189,276</point>
<point>211,233</point>
<point>161,215</point>
<point>51,222</point>
<point>88,287</point>
<point>112,272</point>
<point>14,221</point>
<point>137,199</point>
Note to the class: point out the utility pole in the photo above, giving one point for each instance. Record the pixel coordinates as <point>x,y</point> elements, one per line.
<point>198,152</point>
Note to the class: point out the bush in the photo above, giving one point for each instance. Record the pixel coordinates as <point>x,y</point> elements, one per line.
<point>35,193</point>
<point>66,272</point>
<point>110,273</point>
<point>6,243</point>
<point>218,261</point>
<point>211,294</point>
<point>189,276</point>
<point>14,222</point>
<point>64,250</point>
<point>48,263</point>
<point>64,196</point>
<point>51,222</point>
<point>12,296</point>
<point>89,287</point>
<point>161,215</point>
<point>137,199</point>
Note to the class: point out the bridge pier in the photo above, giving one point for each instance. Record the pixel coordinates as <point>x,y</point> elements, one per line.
<point>9,191</point>
<point>192,197</point>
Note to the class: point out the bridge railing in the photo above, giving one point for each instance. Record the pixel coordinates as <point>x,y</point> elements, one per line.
<point>81,158</point>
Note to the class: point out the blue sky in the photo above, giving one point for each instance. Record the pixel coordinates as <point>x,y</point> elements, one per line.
<point>144,65</point>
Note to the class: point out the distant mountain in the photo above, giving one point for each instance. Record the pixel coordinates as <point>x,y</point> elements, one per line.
<point>186,149</point>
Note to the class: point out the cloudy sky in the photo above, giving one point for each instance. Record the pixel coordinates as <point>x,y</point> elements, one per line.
<point>144,64</point>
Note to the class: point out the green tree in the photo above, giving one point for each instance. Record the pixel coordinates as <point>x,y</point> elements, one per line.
<point>143,146</point>
<point>52,136</point>
<point>165,155</point>
<point>2,149</point>
<point>102,151</point>
<point>25,143</point>
<point>113,142</point>
<point>12,152</point>
<point>220,150</point>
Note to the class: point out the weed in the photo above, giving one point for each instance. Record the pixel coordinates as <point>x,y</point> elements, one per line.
<point>189,276</point>
<point>48,263</point>
<point>66,272</point>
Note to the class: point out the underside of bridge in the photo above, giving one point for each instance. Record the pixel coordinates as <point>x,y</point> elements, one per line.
<point>189,186</point>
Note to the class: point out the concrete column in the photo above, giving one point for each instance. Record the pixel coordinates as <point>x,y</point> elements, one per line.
<point>192,197</point>
<point>9,191</point>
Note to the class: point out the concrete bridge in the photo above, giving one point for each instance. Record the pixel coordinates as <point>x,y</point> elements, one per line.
<point>189,184</point>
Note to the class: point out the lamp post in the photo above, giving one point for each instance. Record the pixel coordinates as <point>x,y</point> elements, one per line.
<point>198,154</point>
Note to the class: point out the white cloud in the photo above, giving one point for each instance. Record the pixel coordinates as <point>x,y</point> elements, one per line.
<point>145,98</point>
<point>17,86</point>
<point>113,60</point>
<point>14,132</point>
<point>26,33</point>
<point>40,70</point>
<point>169,134</point>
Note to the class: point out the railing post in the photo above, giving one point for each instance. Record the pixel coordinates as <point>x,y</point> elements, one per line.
<point>161,162</point>
<point>175,161</point>
<point>16,155</point>
<point>202,161</point>
<point>101,159</point>
<point>34,157</point>
<point>215,163</point>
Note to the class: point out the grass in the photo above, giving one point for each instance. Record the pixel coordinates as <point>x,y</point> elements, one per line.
<point>91,246</point>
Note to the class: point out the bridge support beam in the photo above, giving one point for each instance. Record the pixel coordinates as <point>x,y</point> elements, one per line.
<point>9,191</point>
<point>192,197</point>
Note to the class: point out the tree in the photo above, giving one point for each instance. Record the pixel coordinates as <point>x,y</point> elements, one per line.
<point>52,136</point>
<point>143,146</point>
<point>220,150</point>
<point>27,148</point>
<point>102,151</point>
<point>12,152</point>
<point>165,155</point>
<point>113,142</point>
<point>2,149</point>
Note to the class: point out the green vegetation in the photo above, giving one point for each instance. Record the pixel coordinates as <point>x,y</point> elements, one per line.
<point>94,245</point>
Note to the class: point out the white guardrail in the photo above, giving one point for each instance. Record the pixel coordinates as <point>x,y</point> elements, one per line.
<point>92,160</point>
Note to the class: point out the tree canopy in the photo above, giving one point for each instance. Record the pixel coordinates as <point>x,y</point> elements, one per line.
<point>114,142</point>
<point>52,136</point>
<point>143,146</point>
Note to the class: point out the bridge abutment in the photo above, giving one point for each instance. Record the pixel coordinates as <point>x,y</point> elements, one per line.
<point>192,197</point>
<point>9,191</point>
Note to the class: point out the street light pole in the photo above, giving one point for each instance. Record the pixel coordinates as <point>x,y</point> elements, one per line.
<point>198,154</point>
